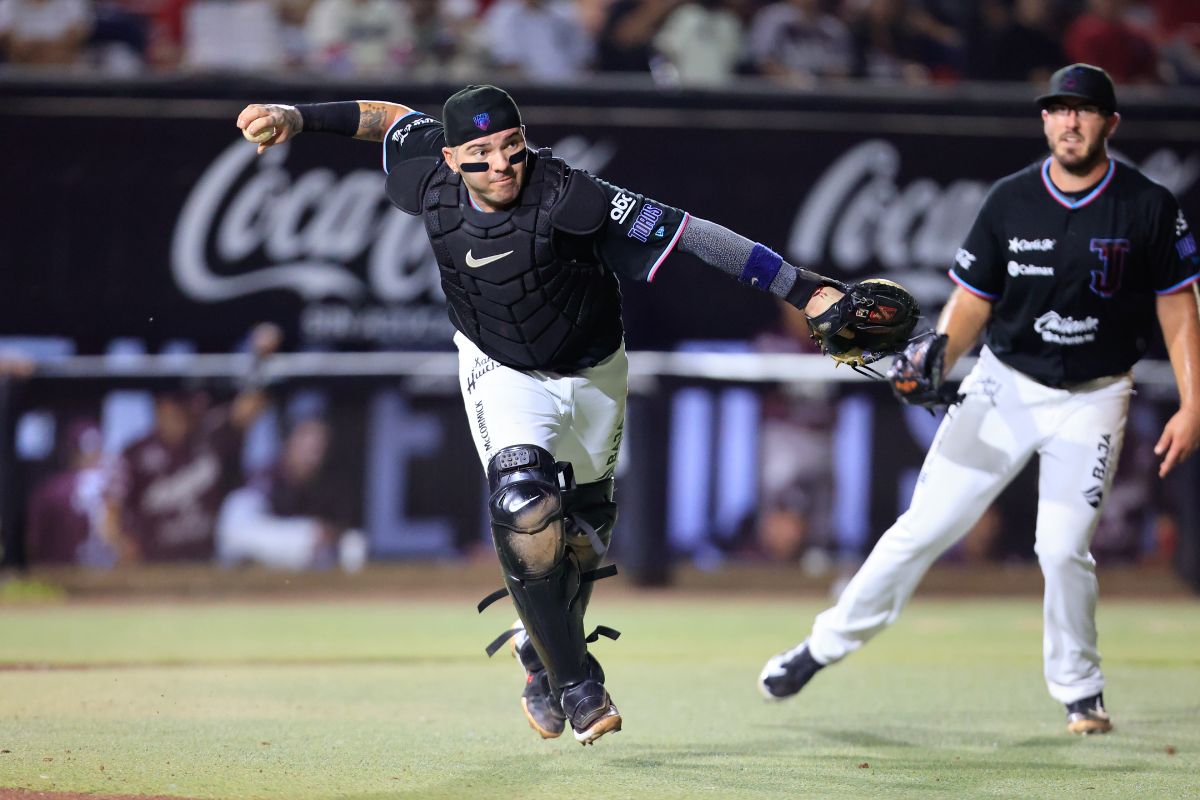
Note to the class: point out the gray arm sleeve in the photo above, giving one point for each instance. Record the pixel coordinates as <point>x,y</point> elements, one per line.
<point>728,251</point>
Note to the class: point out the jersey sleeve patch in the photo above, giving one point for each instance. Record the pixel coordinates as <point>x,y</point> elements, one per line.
<point>638,233</point>
<point>1174,257</point>
<point>412,136</point>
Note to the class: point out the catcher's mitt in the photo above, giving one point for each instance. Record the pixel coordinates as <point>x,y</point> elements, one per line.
<point>917,376</point>
<point>878,315</point>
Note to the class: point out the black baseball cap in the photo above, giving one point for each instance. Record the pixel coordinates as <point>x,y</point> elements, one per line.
<point>478,111</point>
<point>1083,81</point>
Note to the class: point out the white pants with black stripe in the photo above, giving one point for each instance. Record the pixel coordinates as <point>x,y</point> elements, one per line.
<point>578,418</point>
<point>980,447</point>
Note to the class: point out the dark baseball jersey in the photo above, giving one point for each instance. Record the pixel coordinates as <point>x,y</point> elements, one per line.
<point>636,237</point>
<point>1073,277</point>
<point>61,516</point>
<point>169,496</point>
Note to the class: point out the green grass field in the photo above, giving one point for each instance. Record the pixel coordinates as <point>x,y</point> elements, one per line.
<point>371,700</point>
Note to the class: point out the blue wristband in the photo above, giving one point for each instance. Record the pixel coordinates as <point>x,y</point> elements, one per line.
<point>761,267</point>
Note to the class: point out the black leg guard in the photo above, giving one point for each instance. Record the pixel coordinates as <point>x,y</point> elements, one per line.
<point>590,505</point>
<point>542,577</point>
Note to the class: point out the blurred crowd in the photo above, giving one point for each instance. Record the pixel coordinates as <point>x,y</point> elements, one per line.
<point>799,43</point>
<point>232,474</point>
<point>180,490</point>
<point>241,473</point>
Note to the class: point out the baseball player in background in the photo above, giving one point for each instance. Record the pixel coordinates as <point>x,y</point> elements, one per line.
<point>1067,265</point>
<point>530,251</point>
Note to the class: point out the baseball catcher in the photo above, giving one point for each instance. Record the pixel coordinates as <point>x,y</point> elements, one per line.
<point>531,253</point>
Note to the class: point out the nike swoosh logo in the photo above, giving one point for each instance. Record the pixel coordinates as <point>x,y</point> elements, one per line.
<point>475,263</point>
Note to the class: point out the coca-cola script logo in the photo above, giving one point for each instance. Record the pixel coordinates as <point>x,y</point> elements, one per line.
<point>253,224</point>
<point>858,214</point>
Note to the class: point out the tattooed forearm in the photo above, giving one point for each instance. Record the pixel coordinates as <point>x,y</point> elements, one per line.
<point>375,118</point>
<point>292,119</point>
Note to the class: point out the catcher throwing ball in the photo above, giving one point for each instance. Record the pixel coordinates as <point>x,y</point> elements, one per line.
<point>531,252</point>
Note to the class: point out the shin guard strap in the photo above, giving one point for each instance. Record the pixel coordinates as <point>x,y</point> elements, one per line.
<point>587,577</point>
<point>598,574</point>
<point>499,641</point>
<point>491,598</point>
<point>603,630</point>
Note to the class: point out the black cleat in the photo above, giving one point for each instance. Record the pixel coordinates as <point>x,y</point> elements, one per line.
<point>1087,716</point>
<point>786,674</point>
<point>539,704</point>
<point>591,710</point>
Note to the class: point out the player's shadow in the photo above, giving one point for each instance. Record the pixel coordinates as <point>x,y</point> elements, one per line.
<point>1048,742</point>
<point>697,764</point>
<point>851,736</point>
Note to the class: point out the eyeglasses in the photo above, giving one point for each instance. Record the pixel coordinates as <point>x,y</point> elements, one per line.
<point>1083,111</point>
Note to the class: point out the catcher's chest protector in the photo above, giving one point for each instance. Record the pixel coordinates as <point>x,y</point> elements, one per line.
<point>507,289</point>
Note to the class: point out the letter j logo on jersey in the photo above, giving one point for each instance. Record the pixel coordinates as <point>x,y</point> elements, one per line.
<point>482,121</point>
<point>1111,252</point>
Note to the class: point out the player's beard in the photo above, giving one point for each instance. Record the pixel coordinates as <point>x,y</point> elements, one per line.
<point>1083,163</point>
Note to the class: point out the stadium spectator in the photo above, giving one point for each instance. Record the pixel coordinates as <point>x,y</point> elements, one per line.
<point>242,35</point>
<point>543,40</point>
<point>1177,32</point>
<point>293,516</point>
<point>939,24</point>
<point>445,44</point>
<point>1015,41</point>
<point>359,37</point>
<point>293,24</point>
<point>164,48</point>
<point>66,509</point>
<point>796,42</point>
<point>625,41</point>
<point>889,43</point>
<point>166,488</point>
<point>592,14</point>
<point>702,40</point>
<point>120,37</point>
<point>1103,36</point>
<point>44,33</point>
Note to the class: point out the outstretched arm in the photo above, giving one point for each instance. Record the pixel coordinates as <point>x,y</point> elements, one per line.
<point>1177,315</point>
<point>362,119</point>
<point>755,265</point>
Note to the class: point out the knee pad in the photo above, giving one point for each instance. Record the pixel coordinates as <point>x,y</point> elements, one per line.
<point>527,511</point>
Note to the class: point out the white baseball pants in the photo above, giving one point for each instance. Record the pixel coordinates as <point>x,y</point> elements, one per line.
<point>578,418</point>
<point>981,445</point>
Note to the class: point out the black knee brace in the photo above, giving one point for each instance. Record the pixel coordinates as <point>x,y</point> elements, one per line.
<point>526,510</point>
<point>541,575</point>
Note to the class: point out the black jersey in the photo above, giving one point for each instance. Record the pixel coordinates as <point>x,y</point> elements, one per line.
<point>1073,278</point>
<point>633,238</point>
